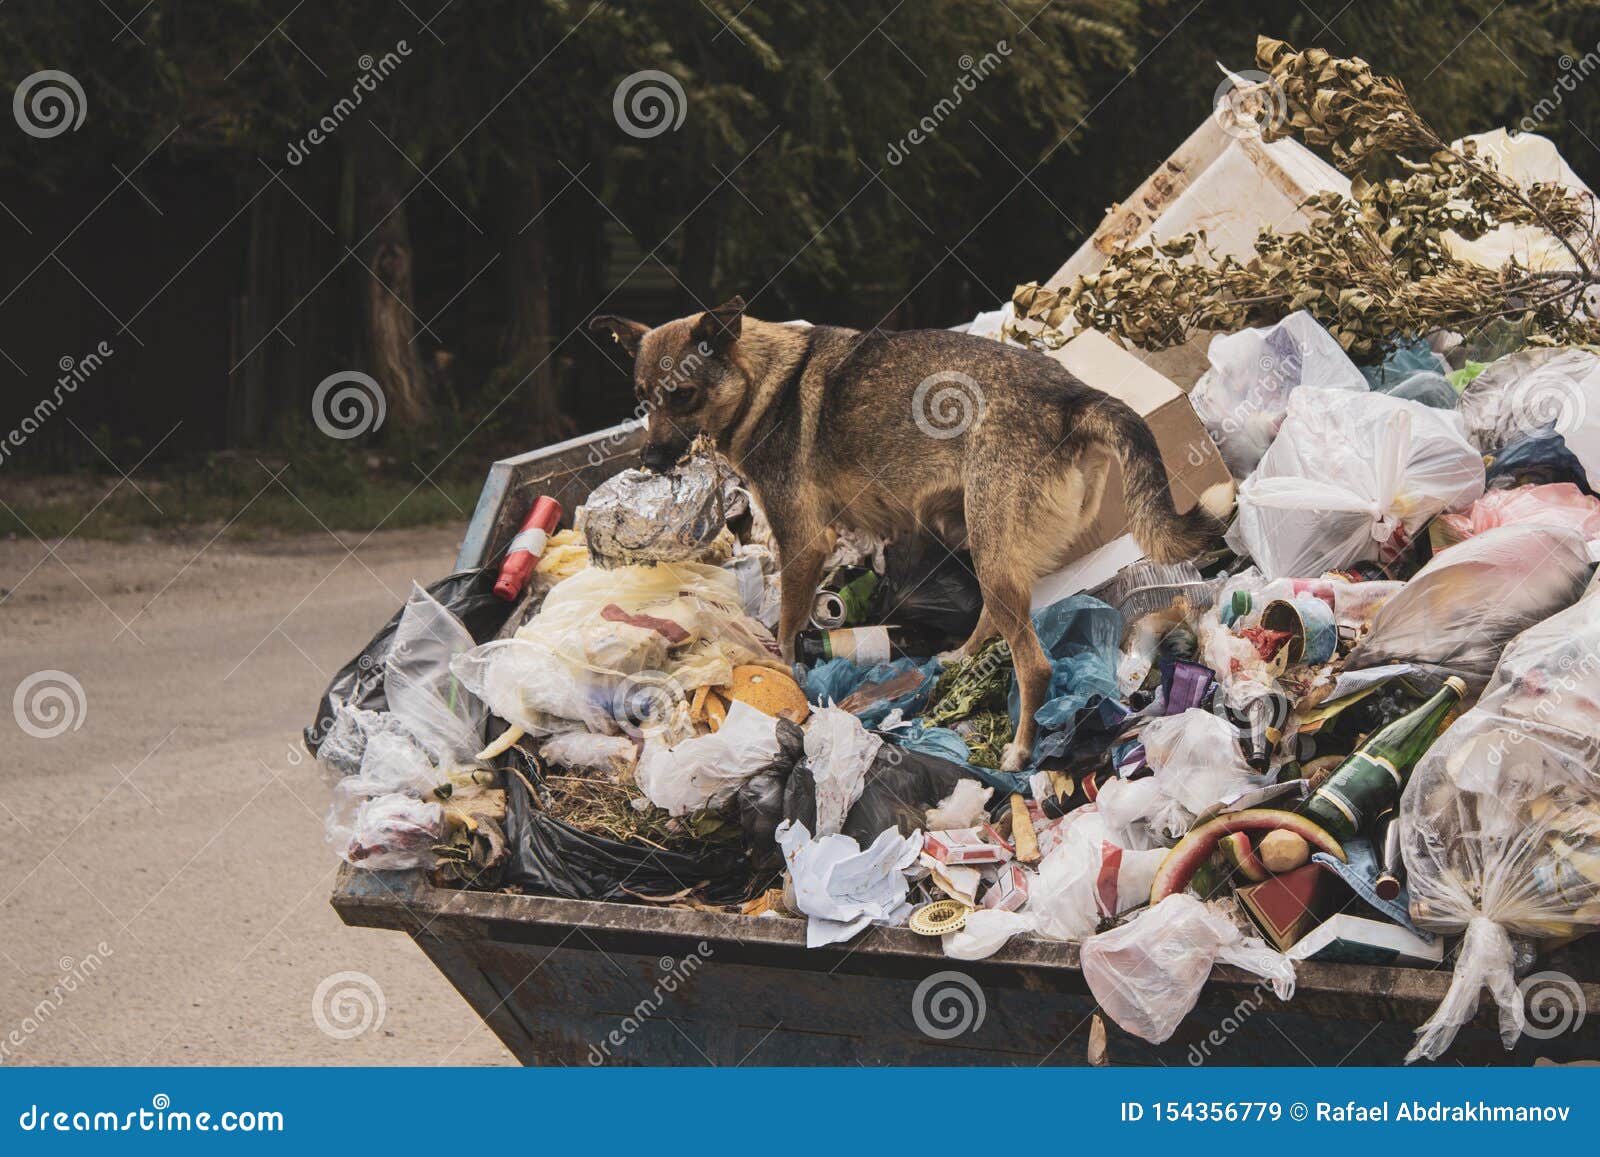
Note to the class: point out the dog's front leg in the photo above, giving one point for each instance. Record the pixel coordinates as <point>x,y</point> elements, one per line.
<point>801,559</point>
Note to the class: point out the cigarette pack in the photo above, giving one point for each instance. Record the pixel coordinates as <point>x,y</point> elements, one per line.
<point>964,846</point>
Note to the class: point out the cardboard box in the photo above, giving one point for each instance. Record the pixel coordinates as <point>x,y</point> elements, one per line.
<point>1229,186</point>
<point>1191,458</point>
<point>1010,891</point>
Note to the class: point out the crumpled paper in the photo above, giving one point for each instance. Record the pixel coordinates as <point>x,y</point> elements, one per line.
<point>844,889</point>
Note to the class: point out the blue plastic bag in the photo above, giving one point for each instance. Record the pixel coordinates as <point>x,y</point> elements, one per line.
<point>1416,373</point>
<point>835,680</point>
<point>946,743</point>
<point>1080,636</point>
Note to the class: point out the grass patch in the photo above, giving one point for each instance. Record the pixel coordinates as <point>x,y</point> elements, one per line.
<point>250,498</point>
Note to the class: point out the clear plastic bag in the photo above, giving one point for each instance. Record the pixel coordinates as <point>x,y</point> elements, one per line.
<point>389,765</point>
<point>1456,613</point>
<point>390,832</point>
<point>1500,823</point>
<point>585,751</point>
<point>616,651</point>
<point>1535,389</point>
<point>444,716</point>
<point>1243,398</point>
<point>1351,476</point>
<point>1147,974</point>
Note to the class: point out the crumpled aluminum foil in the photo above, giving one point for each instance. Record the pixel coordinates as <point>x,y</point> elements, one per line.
<point>640,517</point>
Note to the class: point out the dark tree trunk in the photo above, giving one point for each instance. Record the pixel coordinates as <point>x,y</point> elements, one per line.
<point>389,308</point>
<point>529,342</point>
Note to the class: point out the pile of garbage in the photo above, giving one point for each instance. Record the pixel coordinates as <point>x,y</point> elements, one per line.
<point>1365,729</point>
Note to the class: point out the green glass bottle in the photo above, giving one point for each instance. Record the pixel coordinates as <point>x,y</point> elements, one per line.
<point>1371,779</point>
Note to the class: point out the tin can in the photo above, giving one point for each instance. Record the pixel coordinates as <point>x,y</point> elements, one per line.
<point>1313,631</point>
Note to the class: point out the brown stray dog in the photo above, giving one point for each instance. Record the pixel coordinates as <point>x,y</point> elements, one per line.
<point>986,445</point>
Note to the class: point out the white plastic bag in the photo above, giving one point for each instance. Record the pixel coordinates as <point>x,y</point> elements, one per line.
<point>1500,824</point>
<point>1196,762</point>
<point>1457,612</point>
<point>1148,974</point>
<point>1242,399</point>
<point>1087,876</point>
<point>707,770</point>
<point>839,752</point>
<point>1351,476</point>
<point>985,933</point>
<point>586,751</point>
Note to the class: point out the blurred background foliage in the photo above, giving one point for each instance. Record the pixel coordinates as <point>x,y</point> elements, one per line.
<point>454,230</point>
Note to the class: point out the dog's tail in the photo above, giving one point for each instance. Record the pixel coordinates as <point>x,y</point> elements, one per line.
<point>1163,533</point>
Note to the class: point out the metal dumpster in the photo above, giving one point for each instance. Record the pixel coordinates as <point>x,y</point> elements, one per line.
<point>581,983</point>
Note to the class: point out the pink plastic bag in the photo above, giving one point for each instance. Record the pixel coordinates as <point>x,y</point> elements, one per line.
<point>1555,504</point>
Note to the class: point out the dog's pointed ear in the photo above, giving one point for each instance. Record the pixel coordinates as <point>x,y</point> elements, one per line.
<point>624,332</point>
<point>720,327</point>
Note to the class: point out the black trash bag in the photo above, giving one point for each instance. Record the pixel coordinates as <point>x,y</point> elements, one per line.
<point>928,590</point>
<point>760,798</point>
<point>468,595</point>
<point>902,787</point>
<point>551,858</point>
<point>1538,458</point>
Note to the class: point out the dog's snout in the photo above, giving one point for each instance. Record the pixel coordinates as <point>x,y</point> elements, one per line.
<point>660,456</point>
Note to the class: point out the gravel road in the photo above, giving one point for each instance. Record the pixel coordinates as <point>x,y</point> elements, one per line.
<point>164,877</point>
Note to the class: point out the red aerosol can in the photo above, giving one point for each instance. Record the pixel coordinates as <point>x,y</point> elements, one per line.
<point>523,553</point>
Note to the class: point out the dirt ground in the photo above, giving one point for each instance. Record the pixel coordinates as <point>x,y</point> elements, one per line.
<point>163,877</point>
